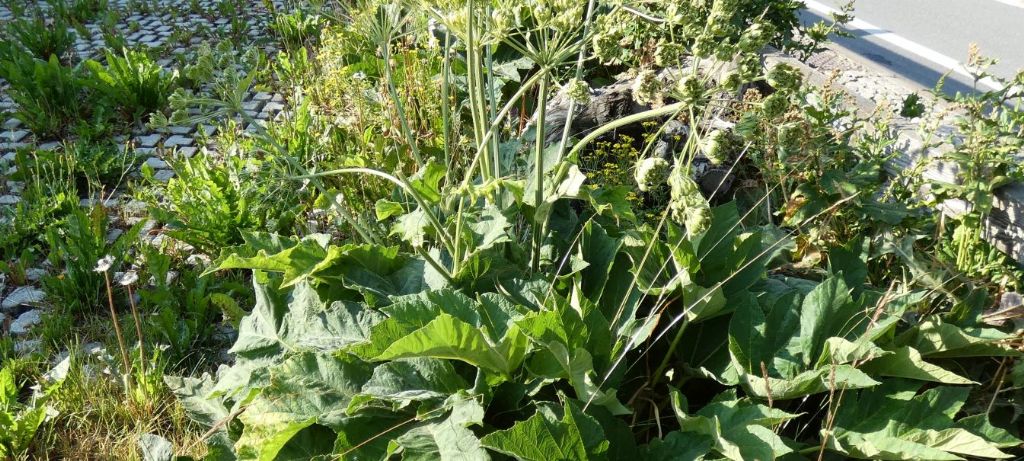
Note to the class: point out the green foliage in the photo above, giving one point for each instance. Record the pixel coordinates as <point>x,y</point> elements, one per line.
<point>42,38</point>
<point>132,82</point>
<point>297,29</point>
<point>77,244</point>
<point>210,206</point>
<point>49,95</point>
<point>18,422</point>
<point>50,192</point>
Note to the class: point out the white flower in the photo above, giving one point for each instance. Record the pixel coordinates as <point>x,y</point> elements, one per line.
<point>129,278</point>
<point>104,263</point>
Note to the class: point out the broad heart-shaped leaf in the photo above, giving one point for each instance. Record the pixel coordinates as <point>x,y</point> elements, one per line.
<point>678,446</point>
<point>827,311</point>
<point>765,349</point>
<point>407,314</point>
<point>599,251</point>
<point>447,337</point>
<point>207,411</point>
<point>307,324</point>
<point>578,368</point>
<point>155,448</point>
<point>544,436</point>
<point>449,438</point>
<point>408,380</point>
<point>892,422</point>
<point>739,429</point>
<point>305,389</point>
<point>906,362</point>
<point>937,339</point>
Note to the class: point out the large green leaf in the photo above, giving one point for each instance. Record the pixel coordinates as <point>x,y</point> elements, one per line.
<point>408,380</point>
<point>543,437</point>
<point>449,439</point>
<point>785,355</point>
<point>305,389</point>
<point>738,428</point>
<point>906,362</point>
<point>893,421</point>
<point>678,446</point>
<point>194,396</point>
<point>935,338</point>
<point>308,324</point>
<point>450,338</point>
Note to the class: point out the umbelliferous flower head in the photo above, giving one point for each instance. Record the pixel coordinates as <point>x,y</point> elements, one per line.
<point>716,146</point>
<point>646,87</point>
<point>651,173</point>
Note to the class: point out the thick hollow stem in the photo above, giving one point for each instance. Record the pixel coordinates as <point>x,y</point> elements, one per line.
<point>538,167</point>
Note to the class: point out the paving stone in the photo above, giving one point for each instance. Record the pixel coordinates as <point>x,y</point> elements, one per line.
<point>156,163</point>
<point>135,208</point>
<point>163,175</point>
<point>262,96</point>
<point>9,157</point>
<point>113,235</point>
<point>24,323</point>
<point>273,107</point>
<point>27,346</point>
<point>53,145</point>
<point>207,130</point>
<point>4,146</point>
<point>187,152</point>
<point>182,129</point>
<point>34,274</point>
<point>23,296</point>
<point>11,124</point>
<point>145,150</point>
<point>178,140</point>
<point>252,105</point>
<point>9,200</point>
<point>14,136</point>
<point>148,141</point>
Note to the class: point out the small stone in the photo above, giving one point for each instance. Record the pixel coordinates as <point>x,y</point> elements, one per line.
<point>113,235</point>
<point>187,152</point>
<point>207,130</point>
<point>163,175</point>
<point>14,136</point>
<point>156,163</point>
<point>182,129</point>
<point>23,296</point>
<point>177,140</point>
<point>148,141</point>
<point>23,325</point>
<point>27,346</point>
<point>34,274</point>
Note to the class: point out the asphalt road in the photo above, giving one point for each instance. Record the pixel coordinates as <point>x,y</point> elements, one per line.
<point>923,39</point>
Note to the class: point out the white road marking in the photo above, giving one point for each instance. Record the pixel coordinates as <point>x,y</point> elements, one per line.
<point>921,51</point>
<point>1016,3</point>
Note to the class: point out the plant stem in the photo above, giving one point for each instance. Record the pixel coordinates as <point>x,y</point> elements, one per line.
<point>538,166</point>
<point>399,107</point>
<point>138,330</point>
<point>668,354</point>
<point>117,326</point>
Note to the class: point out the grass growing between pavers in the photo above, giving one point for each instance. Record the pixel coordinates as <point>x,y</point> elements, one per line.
<point>484,230</point>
